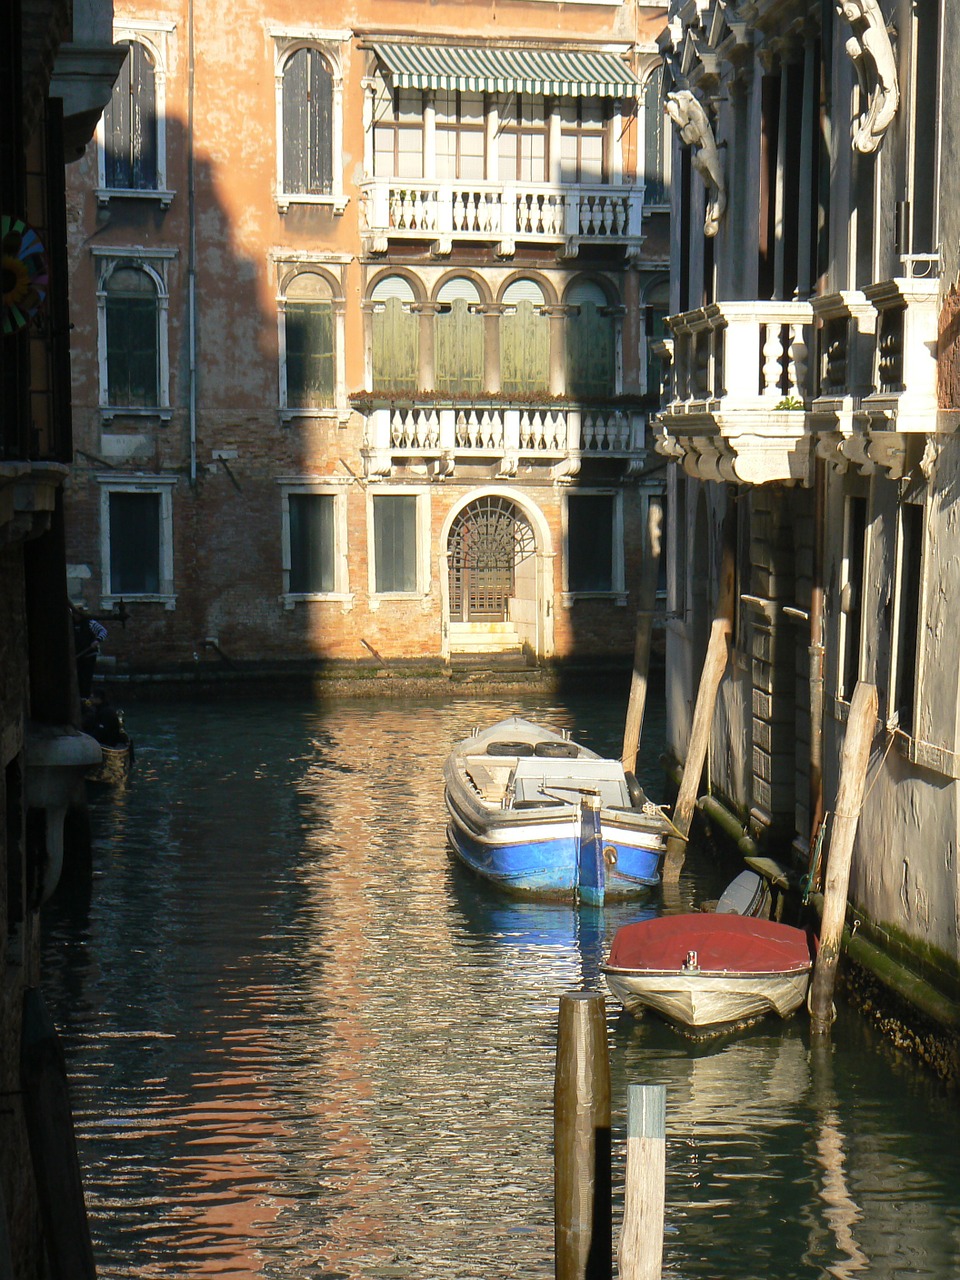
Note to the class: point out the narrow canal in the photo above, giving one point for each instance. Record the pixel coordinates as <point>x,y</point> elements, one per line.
<point>303,1044</point>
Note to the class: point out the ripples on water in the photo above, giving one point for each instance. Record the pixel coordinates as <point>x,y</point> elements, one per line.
<point>304,1044</point>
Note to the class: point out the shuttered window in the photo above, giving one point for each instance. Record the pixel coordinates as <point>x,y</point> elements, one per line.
<point>134,539</point>
<point>458,344</point>
<point>396,337</point>
<point>312,546</point>
<point>524,341</point>
<point>130,125</point>
<point>590,542</point>
<point>395,542</point>
<point>132,330</point>
<point>591,352</point>
<point>309,343</point>
<point>307,124</point>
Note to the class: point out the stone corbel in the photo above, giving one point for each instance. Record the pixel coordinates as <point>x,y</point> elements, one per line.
<point>872,55</point>
<point>687,113</point>
<point>888,450</point>
<point>377,463</point>
<point>443,467</point>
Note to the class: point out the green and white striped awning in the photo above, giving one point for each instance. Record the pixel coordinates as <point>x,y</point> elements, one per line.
<point>476,69</point>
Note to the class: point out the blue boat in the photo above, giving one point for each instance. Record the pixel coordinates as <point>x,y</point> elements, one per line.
<point>539,815</point>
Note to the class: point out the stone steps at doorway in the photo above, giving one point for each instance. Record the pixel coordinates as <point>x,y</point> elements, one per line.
<point>484,638</point>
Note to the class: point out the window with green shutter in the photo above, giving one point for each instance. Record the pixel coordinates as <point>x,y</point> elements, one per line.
<point>524,341</point>
<point>395,338</point>
<point>458,341</point>
<point>590,344</point>
<point>312,543</point>
<point>130,125</point>
<point>310,359</point>
<point>395,542</point>
<point>307,124</point>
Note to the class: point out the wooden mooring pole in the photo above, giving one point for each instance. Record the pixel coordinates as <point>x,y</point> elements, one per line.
<point>861,724</point>
<point>641,655</point>
<point>583,1233</point>
<point>714,665</point>
<point>640,1256</point>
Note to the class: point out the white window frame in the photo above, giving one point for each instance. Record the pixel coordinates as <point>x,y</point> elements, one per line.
<point>331,267</point>
<point>328,487</point>
<point>328,43</point>
<point>896,636</point>
<point>618,591</point>
<point>157,37</point>
<point>154,262</point>
<point>424,585</point>
<point>113,482</point>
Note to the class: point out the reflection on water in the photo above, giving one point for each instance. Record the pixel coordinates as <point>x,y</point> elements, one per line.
<point>305,1043</point>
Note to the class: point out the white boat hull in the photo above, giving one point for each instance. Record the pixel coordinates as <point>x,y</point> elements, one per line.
<point>704,1002</point>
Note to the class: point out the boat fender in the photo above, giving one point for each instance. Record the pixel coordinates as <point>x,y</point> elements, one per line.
<point>610,854</point>
<point>634,790</point>
<point>557,750</point>
<point>509,749</point>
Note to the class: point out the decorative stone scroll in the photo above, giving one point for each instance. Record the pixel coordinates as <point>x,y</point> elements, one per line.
<point>872,55</point>
<point>691,120</point>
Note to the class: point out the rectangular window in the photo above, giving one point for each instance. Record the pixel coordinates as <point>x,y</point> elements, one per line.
<point>312,543</point>
<point>398,134</point>
<point>395,542</point>
<point>590,542</point>
<point>581,141</point>
<point>523,139</point>
<point>460,135</point>
<point>909,577</point>
<point>132,351</point>
<point>134,542</point>
<point>851,593</point>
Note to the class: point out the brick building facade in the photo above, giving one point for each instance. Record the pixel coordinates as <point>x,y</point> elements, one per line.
<point>362,300</point>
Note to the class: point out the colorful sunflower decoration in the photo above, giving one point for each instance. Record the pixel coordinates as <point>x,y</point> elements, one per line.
<point>24,275</point>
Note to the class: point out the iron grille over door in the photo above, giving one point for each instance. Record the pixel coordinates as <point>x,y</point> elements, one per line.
<point>489,538</point>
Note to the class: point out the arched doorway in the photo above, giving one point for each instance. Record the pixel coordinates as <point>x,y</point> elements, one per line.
<point>491,560</point>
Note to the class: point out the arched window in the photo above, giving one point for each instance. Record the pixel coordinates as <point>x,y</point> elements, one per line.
<point>307,124</point>
<point>654,173</point>
<point>309,346</point>
<point>458,347</point>
<point>524,340</point>
<point>395,337</point>
<point>132,339</point>
<point>591,341</point>
<point>130,124</point>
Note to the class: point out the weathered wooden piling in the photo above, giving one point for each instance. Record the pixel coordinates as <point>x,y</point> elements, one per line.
<point>854,759</point>
<point>640,1255</point>
<point>639,680</point>
<point>714,665</point>
<point>583,1234</point>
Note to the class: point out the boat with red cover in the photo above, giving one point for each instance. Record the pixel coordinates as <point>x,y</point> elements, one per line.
<point>710,972</point>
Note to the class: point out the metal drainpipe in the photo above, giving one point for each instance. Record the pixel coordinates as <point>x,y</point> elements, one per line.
<point>192,252</point>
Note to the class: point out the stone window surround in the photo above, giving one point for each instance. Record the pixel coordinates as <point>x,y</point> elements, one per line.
<point>336,487</point>
<point>289,263</point>
<point>424,584</point>
<point>154,261</point>
<point>157,38</point>
<point>618,592</point>
<point>329,43</point>
<point>118,482</point>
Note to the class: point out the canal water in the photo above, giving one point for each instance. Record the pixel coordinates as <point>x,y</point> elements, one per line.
<point>304,1044</point>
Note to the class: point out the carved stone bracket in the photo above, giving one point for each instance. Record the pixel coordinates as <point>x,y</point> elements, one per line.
<point>872,55</point>
<point>693,125</point>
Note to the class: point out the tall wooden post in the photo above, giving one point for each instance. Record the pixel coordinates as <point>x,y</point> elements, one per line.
<point>641,654</point>
<point>861,724</point>
<point>583,1233</point>
<point>640,1255</point>
<point>714,665</point>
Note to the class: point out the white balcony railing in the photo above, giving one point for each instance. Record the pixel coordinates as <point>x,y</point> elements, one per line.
<point>740,383</point>
<point>502,433</point>
<point>505,213</point>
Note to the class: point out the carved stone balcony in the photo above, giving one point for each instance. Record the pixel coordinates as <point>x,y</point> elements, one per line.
<point>739,388</point>
<point>440,437</point>
<point>448,213</point>
<point>878,374</point>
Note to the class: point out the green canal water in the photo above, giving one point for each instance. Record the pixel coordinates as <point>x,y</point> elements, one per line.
<point>304,1044</point>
